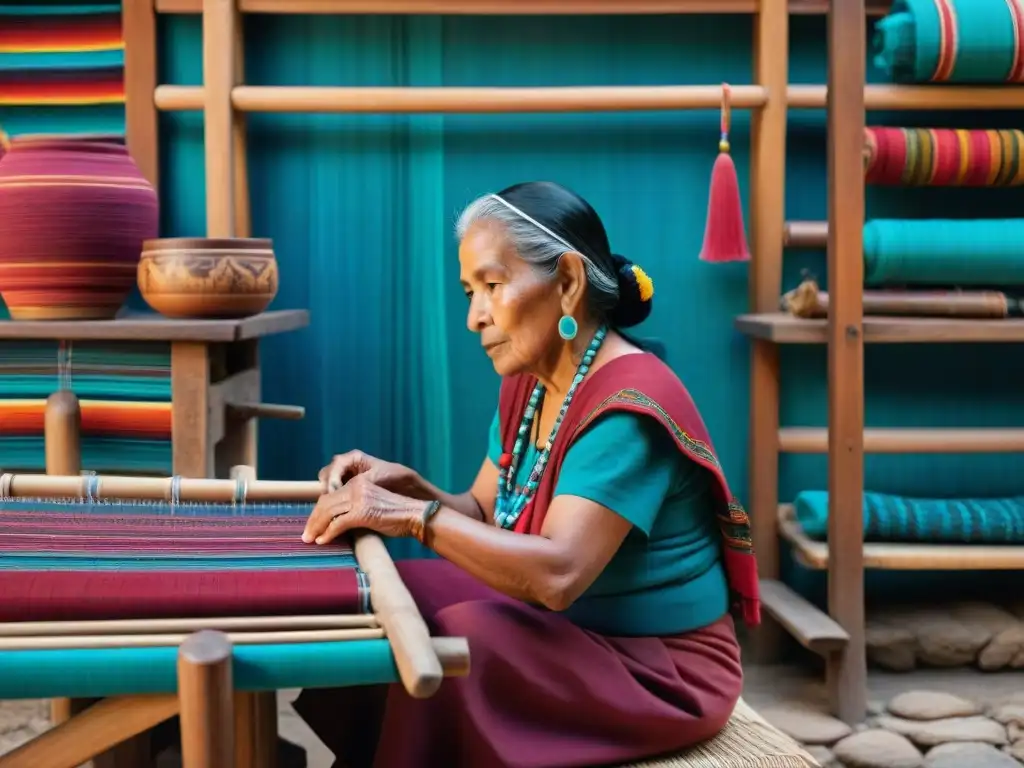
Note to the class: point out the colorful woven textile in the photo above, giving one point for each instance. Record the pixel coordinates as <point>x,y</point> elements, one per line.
<point>61,53</point>
<point>125,395</point>
<point>80,560</point>
<point>900,519</point>
<point>947,252</point>
<point>952,41</point>
<point>944,157</point>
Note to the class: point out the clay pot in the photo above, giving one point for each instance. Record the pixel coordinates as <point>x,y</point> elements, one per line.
<point>203,278</point>
<point>74,211</point>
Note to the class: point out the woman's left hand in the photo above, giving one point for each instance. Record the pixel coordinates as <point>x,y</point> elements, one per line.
<point>360,503</point>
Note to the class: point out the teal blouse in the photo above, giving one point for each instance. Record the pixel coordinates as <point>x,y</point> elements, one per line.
<point>667,577</point>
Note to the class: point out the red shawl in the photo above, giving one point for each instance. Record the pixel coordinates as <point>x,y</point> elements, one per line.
<point>640,383</point>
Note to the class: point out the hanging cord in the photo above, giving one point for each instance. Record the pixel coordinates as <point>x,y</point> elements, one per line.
<point>65,352</point>
<point>726,124</point>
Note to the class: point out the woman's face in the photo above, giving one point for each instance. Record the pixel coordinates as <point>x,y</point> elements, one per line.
<point>513,308</point>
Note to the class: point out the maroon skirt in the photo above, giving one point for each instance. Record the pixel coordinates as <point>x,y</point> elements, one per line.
<point>542,692</point>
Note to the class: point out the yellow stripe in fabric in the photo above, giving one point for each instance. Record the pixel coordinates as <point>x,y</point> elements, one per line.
<point>963,138</point>
<point>1007,143</point>
<point>928,153</point>
<point>995,153</point>
<point>913,156</point>
<point>1017,178</point>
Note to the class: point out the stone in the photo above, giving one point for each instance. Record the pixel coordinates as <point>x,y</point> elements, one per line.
<point>968,754</point>
<point>1009,713</point>
<point>1006,648</point>
<point>931,733</point>
<point>1015,750</point>
<point>823,756</point>
<point>943,641</point>
<point>991,617</point>
<point>877,749</point>
<point>889,647</point>
<point>931,705</point>
<point>806,725</point>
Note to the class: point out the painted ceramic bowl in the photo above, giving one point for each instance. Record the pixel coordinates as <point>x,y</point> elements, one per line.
<point>200,278</point>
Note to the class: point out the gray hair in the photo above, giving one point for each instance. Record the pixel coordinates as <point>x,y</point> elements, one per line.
<point>538,246</point>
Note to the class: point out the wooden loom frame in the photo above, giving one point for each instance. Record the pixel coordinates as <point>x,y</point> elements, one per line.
<point>211,711</point>
<point>224,99</point>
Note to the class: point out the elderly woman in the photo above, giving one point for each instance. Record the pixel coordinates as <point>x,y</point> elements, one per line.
<point>592,563</point>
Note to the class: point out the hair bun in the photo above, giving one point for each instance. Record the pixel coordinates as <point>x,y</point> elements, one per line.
<point>636,290</point>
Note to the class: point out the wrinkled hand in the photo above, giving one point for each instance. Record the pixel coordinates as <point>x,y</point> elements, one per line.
<point>346,466</point>
<point>361,503</point>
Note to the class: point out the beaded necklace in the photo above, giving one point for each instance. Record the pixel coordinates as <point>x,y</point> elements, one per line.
<point>509,505</point>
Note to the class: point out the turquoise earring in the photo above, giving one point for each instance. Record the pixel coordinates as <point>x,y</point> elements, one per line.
<point>568,327</point>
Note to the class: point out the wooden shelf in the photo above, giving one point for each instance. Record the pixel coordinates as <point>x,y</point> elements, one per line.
<point>910,440</point>
<point>513,7</point>
<point>904,557</point>
<point>145,326</point>
<point>783,328</point>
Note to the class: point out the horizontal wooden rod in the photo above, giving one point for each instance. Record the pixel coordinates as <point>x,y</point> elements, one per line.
<point>805,234</point>
<point>161,626</point>
<point>913,440</point>
<point>372,100</point>
<point>64,642</point>
<point>455,100</point>
<point>116,487</point>
<point>903,557</point>
<point>513,7</point>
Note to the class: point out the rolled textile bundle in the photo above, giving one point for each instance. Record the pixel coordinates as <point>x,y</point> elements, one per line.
<point>950,252</point>
<point>807,301</point>
<point>952,41</point>
<point>943,157</point>
<point>894,519</point>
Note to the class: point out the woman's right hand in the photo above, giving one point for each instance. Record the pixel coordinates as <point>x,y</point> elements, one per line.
<point>343,467</point>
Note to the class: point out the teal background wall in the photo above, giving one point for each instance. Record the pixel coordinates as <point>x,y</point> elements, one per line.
<point>361,209</point>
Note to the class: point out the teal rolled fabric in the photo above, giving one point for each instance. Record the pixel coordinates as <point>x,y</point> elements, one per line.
<point>951,41</point>
<point>948,252</point>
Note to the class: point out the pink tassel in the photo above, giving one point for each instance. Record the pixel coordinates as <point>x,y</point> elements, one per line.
<point>725,237</point>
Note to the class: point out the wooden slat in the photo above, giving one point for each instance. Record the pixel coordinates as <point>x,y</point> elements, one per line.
<point>512,7</point>
<point>783,328</point>
<point>912,440</point>
<point>806,234</point>
<point>904,557</point>
<point>458,100</point>
<point>812,628</point>
<point>915,98</point>
<point>846,671</point>
<point>138,23</point>
<point>151,327</point>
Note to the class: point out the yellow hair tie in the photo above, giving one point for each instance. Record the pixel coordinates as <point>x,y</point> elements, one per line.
<point>644,282</point>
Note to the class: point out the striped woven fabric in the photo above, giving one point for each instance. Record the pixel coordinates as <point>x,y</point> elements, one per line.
<point>55,53</point>
<point>944,157</point>
<point>117,560</point>
<point>125,395</point>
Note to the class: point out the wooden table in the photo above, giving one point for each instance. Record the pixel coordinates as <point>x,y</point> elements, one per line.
<point>215,378</point>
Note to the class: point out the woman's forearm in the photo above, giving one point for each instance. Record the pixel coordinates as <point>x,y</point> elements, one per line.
<point>463,503</point>
<point>529,568</point>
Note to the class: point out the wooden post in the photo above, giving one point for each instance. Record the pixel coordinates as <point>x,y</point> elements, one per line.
<point>220,66</point>
<point>205,700</point>
<point>767,206</point>
<point>847,669</point>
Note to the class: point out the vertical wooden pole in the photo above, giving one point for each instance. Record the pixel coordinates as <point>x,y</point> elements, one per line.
<point>220,63</point>
<point>847,670</point>
<point>138,25</point>
<point>190,409</point>
<point>767,205</point>
<point>205,698</point>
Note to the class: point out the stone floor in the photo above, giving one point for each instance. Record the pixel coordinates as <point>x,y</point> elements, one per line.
<point>961,718</point>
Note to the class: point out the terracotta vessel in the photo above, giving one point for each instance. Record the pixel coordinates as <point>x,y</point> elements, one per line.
<point>74,211</point>
<point>203,278</point>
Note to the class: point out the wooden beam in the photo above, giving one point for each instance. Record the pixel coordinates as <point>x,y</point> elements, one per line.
<point>138,24</point>
<point>515,7</point>
<point>812,628</point>
<point>846,670</point>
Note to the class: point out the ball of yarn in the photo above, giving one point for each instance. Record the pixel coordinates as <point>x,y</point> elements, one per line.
<point>636,291</point>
